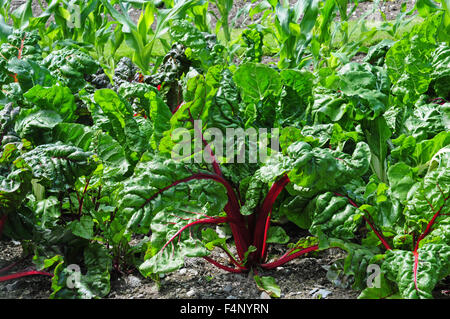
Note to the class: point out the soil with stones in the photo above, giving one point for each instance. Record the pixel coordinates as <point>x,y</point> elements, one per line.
<point>302,278</point>
<point>390,9</point>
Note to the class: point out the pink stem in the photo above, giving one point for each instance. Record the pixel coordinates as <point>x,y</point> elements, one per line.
<point>80,207</point>
<point>177,108</point>
<point>263,221</point>
<point>22,43</point>
<point>208,149</point>
<point>429,226</point>
<point>236,220</point>
<point>2,224</point>
<point>217,264</point>
<point>232,208</point>
<point>416,266</point>
<point>233,260</point>
<point>24,274</point>
<point>9,267</point>
<point>217,220</point>
<point>286,257</point>
<point>379,235</point>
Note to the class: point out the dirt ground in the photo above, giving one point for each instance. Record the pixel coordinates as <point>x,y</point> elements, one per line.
<point>391,8</point>
<point>302,278</point>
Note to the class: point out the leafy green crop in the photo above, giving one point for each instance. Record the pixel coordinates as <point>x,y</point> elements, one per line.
<point>136,161</point>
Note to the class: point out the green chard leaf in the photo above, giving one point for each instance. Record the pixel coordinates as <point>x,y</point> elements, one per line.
<point>314,170</point>
<point>260,86</point>
<point>57,166</point>
<point>95,283</point>
<point>70,66</point>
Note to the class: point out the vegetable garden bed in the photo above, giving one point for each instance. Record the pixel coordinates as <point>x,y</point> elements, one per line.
<point>155,149</point>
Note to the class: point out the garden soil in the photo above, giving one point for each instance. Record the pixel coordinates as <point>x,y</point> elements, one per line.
<point>302,278</point>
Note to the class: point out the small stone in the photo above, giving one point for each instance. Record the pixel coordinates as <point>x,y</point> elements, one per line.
<point>140,296</point>
<point>12,286</point>
<point>265,295</point>
<point>153,289</point>
<point>321,293</point>
<point>134,281</point>
<point>228,288</point>
<point>220,232</point>
<point>193,272</point>
<point>313,291</point>
<point>182,271</point>
<point>190,293</point>
<point>231,297</point>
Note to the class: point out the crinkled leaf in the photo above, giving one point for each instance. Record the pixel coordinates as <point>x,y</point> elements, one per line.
<point>260,85</point>
<point>314,170</point>
<point>428,199</point>
<point>70,66</point>
<point>386,290</point>
<point>58,98</point>
<point>95,283</point>
<point>109,151</point>
<point>296,96</point>
<point>356,262</point>
<point>416,274</point>
<point>158,183</point>
<point>57,166</point>
<point>122,125</point>
<point>333,216</point>
<point>441,70</point>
